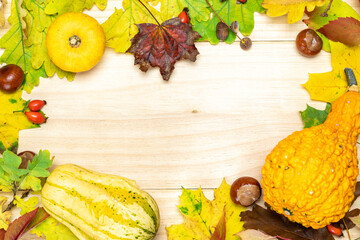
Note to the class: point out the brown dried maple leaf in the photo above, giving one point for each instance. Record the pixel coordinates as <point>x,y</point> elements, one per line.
<point>163,45</point>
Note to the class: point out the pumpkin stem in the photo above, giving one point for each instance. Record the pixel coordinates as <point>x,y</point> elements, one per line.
<point>350,76</point>
<point>74,41</point>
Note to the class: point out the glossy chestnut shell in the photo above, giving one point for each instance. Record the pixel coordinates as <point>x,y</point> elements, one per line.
<point>245,191</point>
<point>11,78</point>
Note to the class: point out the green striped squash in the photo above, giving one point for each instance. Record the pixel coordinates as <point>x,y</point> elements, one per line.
<point>96,206</point>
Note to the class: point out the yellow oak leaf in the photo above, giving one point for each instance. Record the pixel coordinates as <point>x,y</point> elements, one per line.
<point>201,215</point>
<point>26,205</point>
<point>4,216</point>
<point>2,17</point>
<point>294,9</point>
<point>11,123</point>
<point>327,87</point>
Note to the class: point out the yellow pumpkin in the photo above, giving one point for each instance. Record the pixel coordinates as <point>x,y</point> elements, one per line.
<point>310,176</point>
<point>75,42</point>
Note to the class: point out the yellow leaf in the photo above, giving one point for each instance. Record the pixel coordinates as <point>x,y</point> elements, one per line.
<point>2,17</point>
<point>201,215</point>
<point>327,87</point>
<point>11,123</point>
<point>4,216</point>
<point>294,9</point>
<point>26,206</point>
<point>120,28</point>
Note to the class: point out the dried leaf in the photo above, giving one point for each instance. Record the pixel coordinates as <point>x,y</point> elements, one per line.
<point>327,87</point>
<point>294,9</point>
<point>344,30</point>
<point>2,234</point>
<point>201,215</point>
<point>220,229</point>
<point>251,234</point>
<point>17,227</point>
<point>4,216</point>
<point>163,45</point>
<point>275,224</point>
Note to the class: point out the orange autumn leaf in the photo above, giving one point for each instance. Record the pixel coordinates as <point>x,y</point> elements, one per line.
<point>294,9</point>
<point>327,87</point>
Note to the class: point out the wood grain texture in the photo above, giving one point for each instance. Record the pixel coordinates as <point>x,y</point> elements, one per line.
<point>218,117</point>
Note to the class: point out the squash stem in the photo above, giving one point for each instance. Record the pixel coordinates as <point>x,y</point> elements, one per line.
<point>350,76</point>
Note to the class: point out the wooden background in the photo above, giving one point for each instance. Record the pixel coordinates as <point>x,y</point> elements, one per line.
<point>216,118</point>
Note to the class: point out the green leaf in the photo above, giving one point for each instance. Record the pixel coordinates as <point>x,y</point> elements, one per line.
<point>63,6</point>
<point>52,229</point>
<point>313,117</point>
<point>338,9</point>
<point>198,9</point>
<point>37,168</point>
<point>15,50</point>
<point>230,11</point>
<point>10,165</point>
<point>120,28</point>
<point>26,206</point>
<point>38,23</point>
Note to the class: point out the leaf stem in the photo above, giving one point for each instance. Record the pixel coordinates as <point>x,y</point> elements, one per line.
<point>16,2</point>
<point>147,9</point>
<point>324,14</point>
<point>223,20</point>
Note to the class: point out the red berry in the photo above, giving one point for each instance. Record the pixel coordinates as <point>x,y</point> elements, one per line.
<point>36,105</point>
<point>35,117</point>
<point>334,230</point>
<point>184,17</point>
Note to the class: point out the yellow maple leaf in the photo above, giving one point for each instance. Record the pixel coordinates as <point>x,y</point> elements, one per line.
<point>4,216</point>
<point>294,9</point>
<point>120,27</point>
<point>329,86</point>
<point>201,215</point>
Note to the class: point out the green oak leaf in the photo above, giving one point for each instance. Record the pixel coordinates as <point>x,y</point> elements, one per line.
<point>313,117</point>
<point>10,165</point>
<point>15,50</point>
<point>198,9</point>
<point>37,168</point>
<point>63,6</point>
<point>38,23</point>
<point>230,11</point>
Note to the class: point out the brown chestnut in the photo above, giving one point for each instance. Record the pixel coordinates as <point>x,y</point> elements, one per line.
<point>11,78</point>
<point>245,191</point>
<point>26,156</point>
<point>308,43</point>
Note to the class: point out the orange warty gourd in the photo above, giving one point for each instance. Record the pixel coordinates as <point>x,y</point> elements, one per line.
<point>75,42</point>
<point>310,176</point>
